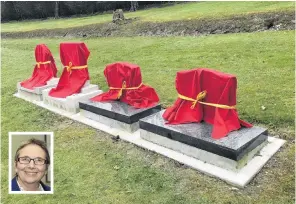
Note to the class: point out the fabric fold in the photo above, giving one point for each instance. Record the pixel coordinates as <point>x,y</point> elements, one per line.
<point>216,108</point>
<point>44,69</point>
<point>74,58</point>
<point>125,84</point>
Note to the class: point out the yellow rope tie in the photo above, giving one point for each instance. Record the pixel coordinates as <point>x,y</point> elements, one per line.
<point>39,63</point>
<point>201,96</point>
<point>70,67</point>
<point>124,88</point>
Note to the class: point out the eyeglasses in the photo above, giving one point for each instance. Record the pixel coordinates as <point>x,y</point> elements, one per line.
<point>27,160</point>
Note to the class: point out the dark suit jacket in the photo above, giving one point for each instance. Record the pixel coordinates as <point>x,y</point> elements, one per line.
<point>15,187</point>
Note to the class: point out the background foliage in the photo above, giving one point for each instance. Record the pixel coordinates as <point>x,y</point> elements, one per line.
<point>20,10</point>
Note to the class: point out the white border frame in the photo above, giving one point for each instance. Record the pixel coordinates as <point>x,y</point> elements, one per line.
<point>50,134</point>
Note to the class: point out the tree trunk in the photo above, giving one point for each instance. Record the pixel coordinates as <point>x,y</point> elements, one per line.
<point>134,6</point>
<point>56,9</point>
<point>118,15</point>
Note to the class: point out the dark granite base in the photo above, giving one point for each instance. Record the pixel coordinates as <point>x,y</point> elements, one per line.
<point>234,146</point>
<point>118,111</point>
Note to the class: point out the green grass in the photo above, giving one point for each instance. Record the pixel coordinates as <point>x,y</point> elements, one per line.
<point>85,159</point>
<point>186,11</point>
<point>256,59</point>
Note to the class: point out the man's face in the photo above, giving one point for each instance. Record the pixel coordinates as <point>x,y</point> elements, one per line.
<point>31,173</point>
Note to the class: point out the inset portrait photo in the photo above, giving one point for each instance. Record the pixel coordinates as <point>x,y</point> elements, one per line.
<point>30,162</point>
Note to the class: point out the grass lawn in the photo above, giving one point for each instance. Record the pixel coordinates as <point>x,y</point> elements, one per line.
<point>192,10</point>
<point>90,168</point>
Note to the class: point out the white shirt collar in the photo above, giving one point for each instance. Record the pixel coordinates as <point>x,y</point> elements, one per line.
<point>22,189</point>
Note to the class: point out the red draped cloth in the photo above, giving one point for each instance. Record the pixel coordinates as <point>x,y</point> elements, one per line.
<point>44,70</point>
<point>219,89</point>
<point>74,58</point>
<point>125,84</point>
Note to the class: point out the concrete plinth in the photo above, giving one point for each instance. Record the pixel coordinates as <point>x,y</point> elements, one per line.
<point>116,114</point>
<point>36,93</point>
<point>71,103</point>
<point>231,152</point>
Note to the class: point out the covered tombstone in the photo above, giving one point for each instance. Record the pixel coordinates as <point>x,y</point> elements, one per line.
<point>206,95</point>
<point>125,84</point>
<point>44,70</point>
<point>74,57</point>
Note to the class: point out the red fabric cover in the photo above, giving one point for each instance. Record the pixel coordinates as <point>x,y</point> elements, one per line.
<point>72,81</point>
<point>116,74</point>
<point>221,89</point>
<point>45,72</point>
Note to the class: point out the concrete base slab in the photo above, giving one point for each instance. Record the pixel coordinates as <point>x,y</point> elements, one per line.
<point>71,103</point>
<point>110,122</point>
<point>116,114</point>
<point>36,93</point>
<point>236,146</point>
<point>237,178</point>
<point>201,154</point>
<point>50,108</point>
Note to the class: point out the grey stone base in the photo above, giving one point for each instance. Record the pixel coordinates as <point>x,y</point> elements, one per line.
<point>30,95</point>
<point>200,154</point>
<point>110,122</point>
<point>71,103</point>
<point>36,93</point>
<point>234,146</point>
